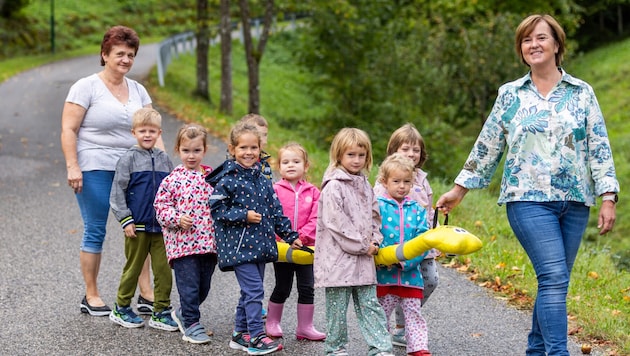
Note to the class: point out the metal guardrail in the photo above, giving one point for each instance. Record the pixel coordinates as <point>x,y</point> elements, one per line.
<point>186,42</point>
<point>172,47</point>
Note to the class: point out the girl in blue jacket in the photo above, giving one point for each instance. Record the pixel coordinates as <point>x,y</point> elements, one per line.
<point>402,220</point>
<point>247,217</point>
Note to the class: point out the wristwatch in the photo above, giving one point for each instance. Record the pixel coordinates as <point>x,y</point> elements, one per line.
<point>610,197</point>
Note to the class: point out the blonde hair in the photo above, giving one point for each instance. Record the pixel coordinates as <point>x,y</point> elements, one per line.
<point>344,140</point>
<point>407,134</point>
<point>297,148</point>
<point>191,131</point>
<point>146,117</point>
<point>254,119</point>
<point>527,26</point>
<point>396,161</point>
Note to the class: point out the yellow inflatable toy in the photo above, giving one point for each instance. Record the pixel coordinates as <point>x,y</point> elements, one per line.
<point>446,238</point>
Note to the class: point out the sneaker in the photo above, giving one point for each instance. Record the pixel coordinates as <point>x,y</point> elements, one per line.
<point>384,353</point>
<point>163,321</point>
<point>339,352</point>
<point>240,341</point>
<point>176,315</point>
<point>196,334</point>
<point>144,306</point>
<point>398,337</point>
<point>262,345</point>
<point>94,311</point>
<point>264,313</point>
<point>126,317</point>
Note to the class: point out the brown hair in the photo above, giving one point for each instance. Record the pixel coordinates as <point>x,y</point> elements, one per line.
<point>119,35</point>
<point>254,119</point>
<point>396,161</point>
<point>240,129</point>
<point>407,134</point>
<point>527,26</point>
<point>191,131</point>
<point>346,138</point>
<point>146,117</point>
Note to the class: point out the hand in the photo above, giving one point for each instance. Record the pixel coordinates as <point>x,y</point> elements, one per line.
<point>75,179</point>
<point>373,249</point>
<point>130,230</point>
<point>253,217</point>
<point>297,244</point>
<point>186,222</point>
<point>607,216</point>
<point>451,199</point>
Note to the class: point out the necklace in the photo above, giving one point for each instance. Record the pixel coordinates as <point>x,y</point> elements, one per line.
<point>118,90</point>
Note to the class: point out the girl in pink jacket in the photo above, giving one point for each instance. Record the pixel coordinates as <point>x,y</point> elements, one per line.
<point>299,200</point>
<point>348,237</point>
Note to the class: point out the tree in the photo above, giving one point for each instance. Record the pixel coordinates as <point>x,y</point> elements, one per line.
<point>225,29</point>
<point>203,47</point>
<point>253,55</point>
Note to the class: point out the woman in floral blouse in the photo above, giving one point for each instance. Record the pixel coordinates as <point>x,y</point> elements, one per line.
<point>558,160</point>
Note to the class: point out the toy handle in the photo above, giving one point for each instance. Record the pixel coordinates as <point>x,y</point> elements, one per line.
<point>435,218</point>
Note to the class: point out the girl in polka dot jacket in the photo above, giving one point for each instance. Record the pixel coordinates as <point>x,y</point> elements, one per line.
<point>247,217</point>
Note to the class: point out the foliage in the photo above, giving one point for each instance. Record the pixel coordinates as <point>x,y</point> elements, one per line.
<point>435,63</point>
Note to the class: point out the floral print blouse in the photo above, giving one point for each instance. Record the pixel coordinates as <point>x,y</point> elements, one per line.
<point>556,147</point>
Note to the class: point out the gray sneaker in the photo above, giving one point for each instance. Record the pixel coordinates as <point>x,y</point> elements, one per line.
<point>398,337</point>
<point>196,334</point>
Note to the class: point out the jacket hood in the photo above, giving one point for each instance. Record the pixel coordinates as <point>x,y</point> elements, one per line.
<point>339,174</point>
<point>227,167</point>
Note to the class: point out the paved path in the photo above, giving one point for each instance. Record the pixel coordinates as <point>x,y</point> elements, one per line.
<point>40,231</point>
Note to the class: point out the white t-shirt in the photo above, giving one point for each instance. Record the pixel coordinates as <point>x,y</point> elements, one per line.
<point>105,133</point>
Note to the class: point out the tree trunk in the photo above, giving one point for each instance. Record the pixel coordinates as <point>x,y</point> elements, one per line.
<point>254,56</point>
<point>226,58</point>
<point>203,46</point>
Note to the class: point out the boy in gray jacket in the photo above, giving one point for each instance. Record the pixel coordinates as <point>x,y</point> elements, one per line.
<point>138,175</point>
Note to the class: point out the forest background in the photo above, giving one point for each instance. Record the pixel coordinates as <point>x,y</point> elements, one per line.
<point>376,64</point>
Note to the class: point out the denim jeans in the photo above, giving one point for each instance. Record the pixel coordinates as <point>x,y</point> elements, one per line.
<point>248,318</point>
<point>550,233</point>
<point>193,276</point>
<point>94,205</point>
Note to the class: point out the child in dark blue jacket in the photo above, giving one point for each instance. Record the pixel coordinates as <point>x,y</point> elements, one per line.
<point>247,217</point>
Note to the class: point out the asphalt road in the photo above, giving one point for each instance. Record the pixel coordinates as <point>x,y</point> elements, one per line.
<point>40,232</point>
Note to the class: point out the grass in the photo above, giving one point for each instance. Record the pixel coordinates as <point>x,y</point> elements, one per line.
<point>599,296</point>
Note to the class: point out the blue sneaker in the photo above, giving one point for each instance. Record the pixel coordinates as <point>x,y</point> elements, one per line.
<point>176,315</point>
<point>163,321</point>
<point>262,345</point>
<point>196,334</point>
<point>125,316</point>
<point>398,337</point>
<point>264,313</point>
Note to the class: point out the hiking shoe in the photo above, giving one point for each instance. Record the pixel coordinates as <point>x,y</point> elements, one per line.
<point>262,345</point>
<point>240,341</point>
<point>126,317</point>
<point>163,321</point>
<point>339,352</point>
<point>196,334</point>
<point>398,337</point>
<point>144,306</point>
<point>176,315</point>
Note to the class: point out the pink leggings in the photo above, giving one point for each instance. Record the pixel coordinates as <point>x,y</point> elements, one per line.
<point>416,331</point>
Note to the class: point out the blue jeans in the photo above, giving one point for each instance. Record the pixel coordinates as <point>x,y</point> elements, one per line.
<point>550,233</point>
<point>250,277</point>
<point>94,205</point>
<point>193,275</point>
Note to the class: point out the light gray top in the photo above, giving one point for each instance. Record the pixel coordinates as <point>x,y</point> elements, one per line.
<point>105,133</point>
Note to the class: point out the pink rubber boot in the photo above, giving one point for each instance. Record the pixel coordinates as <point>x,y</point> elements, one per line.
<point>274,315</point>
<point>305,328</point>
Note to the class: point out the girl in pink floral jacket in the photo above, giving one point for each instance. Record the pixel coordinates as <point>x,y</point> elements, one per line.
<point>348,237</point>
